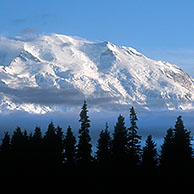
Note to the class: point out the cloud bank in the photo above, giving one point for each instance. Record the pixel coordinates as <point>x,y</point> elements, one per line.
<point>53,97</point>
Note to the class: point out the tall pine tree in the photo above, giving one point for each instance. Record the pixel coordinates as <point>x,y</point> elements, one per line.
<point>59,146</point>
<point>149,157</point>
<point>37,136</point>
<point>176,153</point>
<point>134,140</point>
<point>84,148</point>
<point>167,151</point>
<point>119,145</point>
<point>182,148</point>
<point>19,148</point>
<point>37,151</point>
<point>104,148</point>
<point>50,149</point>
<point>69,148</point>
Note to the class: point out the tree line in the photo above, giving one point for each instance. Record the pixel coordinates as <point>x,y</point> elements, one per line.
<point>117,154</point>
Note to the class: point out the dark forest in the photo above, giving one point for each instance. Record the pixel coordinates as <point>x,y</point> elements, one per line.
<point>60,153</point>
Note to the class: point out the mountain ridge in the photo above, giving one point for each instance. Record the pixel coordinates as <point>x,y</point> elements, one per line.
<point>108,76</point>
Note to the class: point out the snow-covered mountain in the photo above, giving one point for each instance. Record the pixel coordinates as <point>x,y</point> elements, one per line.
<point>56,72</point>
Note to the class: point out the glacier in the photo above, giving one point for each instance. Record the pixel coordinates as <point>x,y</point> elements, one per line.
<point>56,72</point>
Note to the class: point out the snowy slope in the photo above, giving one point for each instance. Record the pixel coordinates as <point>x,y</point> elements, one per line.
<point>55,72</point>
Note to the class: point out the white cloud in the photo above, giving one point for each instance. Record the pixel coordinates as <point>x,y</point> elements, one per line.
<point>9,49</point>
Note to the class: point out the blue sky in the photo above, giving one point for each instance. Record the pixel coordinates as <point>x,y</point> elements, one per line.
<point>160,29</point>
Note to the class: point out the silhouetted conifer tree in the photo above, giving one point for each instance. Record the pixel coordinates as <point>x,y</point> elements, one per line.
<point>59,146</point>
<point>26,150</point>
<point>149,157</point>
<point>119,145</point>
<point>37,136</point>
<point>50,134</point>
<point>104,148</point>
<point>19,147</point>
<point>25,136</point>
<point>84,148</point>
<point>50,148</point>
<point>37,151</point>
<point>69,148</point>
<point>167,151</point>
<point>176,153</point>
<point>182,148</point>
<point>17,139</point>
<point>134,140</point>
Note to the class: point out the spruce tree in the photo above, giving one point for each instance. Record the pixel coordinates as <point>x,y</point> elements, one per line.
<point>84,148</point>
<point>37,151</point>
<point>50,139</point>
<point>176,153</point>
<point>17,140</point>
<point>50,133</point>
<point>26,149</point>
<point>104,148</point>
<point>50,149</point>
<point>134,140</point>
<point>19,148</point>
<point>69,148</point>
<point>37,136</point>
<point>149,157</point>
<point>167,152</point>
<point>119,145</point>
<point>182,148</point>
<point>59,146</point>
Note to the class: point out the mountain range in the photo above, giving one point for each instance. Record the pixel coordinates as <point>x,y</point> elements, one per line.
<point>55,72</point>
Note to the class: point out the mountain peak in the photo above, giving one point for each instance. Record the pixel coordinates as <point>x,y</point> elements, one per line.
<point>55,71</point>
